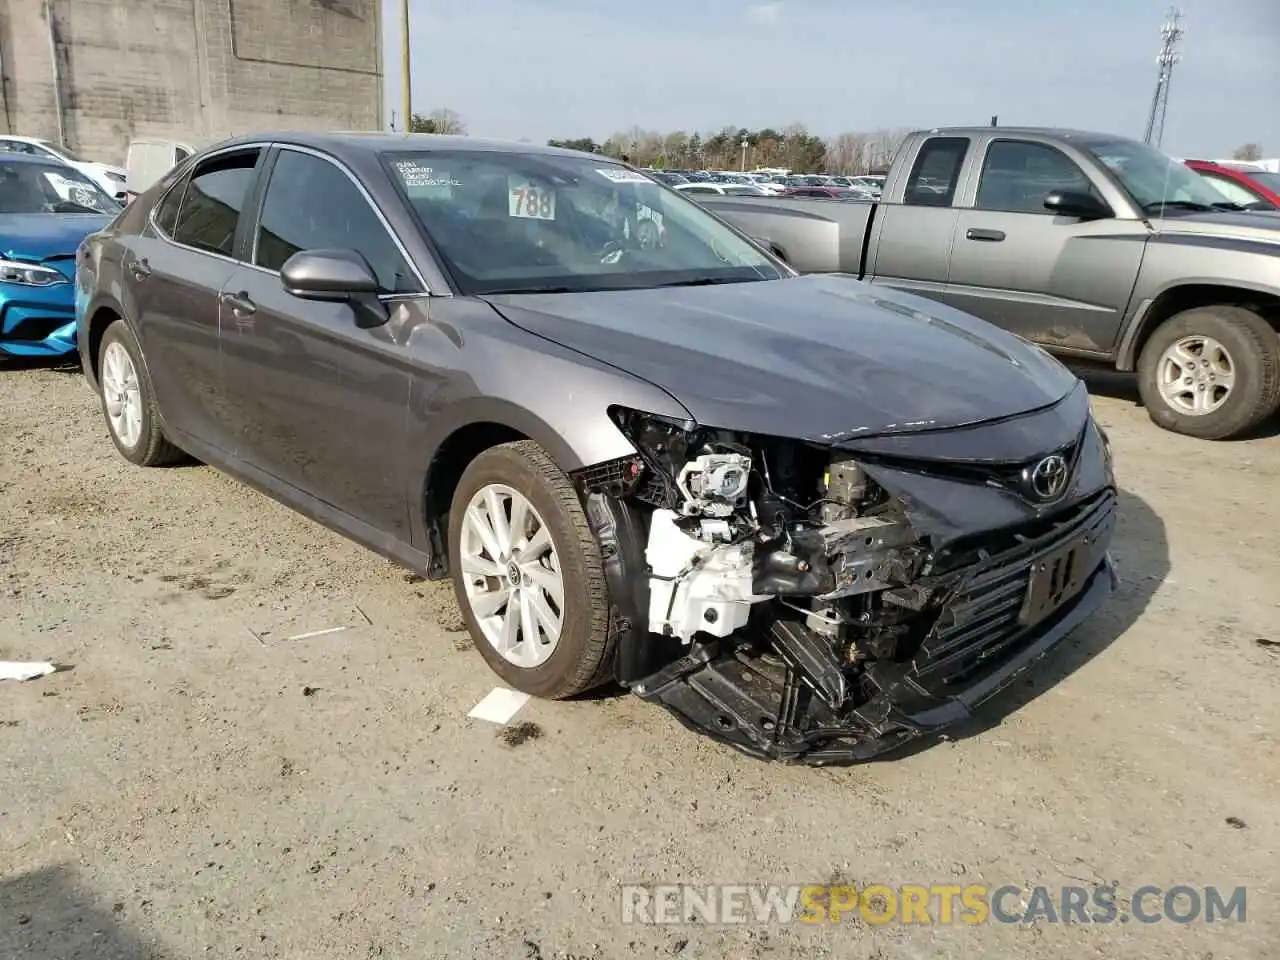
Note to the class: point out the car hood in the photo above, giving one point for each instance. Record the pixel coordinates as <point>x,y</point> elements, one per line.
<point>1246,224</point>
<point>35,237</point>
<point>820,357</point>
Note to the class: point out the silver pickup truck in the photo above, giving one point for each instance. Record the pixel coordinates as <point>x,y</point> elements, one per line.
<point>1096,247</point>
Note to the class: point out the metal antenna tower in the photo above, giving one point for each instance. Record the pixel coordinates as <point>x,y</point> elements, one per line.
<point>1171,31</point>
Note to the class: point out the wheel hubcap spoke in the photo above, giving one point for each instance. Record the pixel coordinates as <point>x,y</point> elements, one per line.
<point>512,576</point>
<point>122,395</point>
<point>1195,375</point>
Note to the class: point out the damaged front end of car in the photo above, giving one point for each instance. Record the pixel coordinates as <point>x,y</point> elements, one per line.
<point>828,599</point>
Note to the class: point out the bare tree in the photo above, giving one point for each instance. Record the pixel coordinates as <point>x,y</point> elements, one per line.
<point>847,154</point>
<point>447,121</point>
<point>1248,152</point>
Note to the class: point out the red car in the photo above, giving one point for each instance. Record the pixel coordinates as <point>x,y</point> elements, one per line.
<point>1248,186</point>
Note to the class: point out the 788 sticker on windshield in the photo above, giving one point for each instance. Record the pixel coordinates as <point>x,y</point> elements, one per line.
<point>529,201</point>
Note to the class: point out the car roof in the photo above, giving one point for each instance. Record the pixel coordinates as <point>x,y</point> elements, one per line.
<point>356,142</point>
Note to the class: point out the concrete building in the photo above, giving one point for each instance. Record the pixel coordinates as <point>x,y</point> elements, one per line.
<point>95,74</point>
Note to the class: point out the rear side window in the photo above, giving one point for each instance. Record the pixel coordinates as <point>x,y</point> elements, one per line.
<point>311,204</point>
<point>936,172</point>
<point>214,200</point>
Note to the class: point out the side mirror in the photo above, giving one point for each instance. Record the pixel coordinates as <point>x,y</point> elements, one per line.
<point>1074,203</point>
<point>335,276</point>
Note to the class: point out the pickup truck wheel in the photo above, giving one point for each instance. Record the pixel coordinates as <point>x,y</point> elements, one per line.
<point>1211,372</point>
<point>528,574</point>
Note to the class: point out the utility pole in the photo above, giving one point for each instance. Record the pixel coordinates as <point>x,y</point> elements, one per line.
<point>1171,31</point>
<point>406,91</point>
<point>744,154</point>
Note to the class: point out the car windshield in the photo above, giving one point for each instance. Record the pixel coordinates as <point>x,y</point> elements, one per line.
<point>528,222</point>
<point>49,188</point>
<point>1266,178</point>
<point>1156,181</point>
<point>62,151</point>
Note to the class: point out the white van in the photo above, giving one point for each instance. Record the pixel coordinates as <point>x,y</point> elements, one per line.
<point>149,160</point>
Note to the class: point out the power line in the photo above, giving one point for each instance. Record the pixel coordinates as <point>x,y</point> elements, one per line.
<point>1171,31</point>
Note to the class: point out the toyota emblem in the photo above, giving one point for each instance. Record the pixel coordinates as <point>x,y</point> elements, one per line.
<point>1048,479</point>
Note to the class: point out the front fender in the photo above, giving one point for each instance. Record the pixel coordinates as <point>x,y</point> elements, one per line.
<point>497,373</point>
<point>1177,263</point>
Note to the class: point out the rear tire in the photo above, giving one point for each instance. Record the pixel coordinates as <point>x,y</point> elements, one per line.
<point>507,600</point>
<point>128,401</point>
<point>1211,372</point>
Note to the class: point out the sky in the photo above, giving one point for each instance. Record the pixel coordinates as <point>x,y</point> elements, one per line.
<point>536,69</point>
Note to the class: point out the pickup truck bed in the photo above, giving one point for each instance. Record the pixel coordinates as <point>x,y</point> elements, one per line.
<point>1095,247</point>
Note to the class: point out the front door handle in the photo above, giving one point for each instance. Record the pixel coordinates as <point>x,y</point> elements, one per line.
<point>991,236</point>
<point>140,269</point>
<point>239,303</point>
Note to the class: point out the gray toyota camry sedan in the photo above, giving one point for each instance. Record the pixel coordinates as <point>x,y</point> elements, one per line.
<point>812,517</point>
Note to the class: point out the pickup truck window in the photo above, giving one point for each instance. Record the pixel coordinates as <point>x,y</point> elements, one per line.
<point>1157,182</point>
<point>1230,190</point>
<point>936,172</point>
<point>1017,175</point>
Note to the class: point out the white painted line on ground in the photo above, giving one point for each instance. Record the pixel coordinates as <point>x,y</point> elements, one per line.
<point>316,633</point>
<point>500,705</point>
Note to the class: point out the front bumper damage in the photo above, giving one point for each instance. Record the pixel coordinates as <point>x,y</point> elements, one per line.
<point>780,708</point>
<point>993,584</point>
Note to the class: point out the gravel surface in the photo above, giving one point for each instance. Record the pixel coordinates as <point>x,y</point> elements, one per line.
<point>198,785</point>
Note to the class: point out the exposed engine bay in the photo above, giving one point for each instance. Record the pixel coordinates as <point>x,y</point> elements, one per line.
<point>777,595</point>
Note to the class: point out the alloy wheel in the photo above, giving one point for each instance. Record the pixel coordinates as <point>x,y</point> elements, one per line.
<point>512,577</point>
<point>123,396</point>
<point>1195,375</point>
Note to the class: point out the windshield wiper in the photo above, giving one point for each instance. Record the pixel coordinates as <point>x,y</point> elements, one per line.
<point>1229,205</point>
<point>512,290</point>
<point>1157,205</point>
<point>704,282</point>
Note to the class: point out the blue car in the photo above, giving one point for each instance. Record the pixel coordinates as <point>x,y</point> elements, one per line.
<point>46,210</point>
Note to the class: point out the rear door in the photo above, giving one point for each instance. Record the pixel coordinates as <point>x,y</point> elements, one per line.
<point>172,274</point>
<point>1060,281</point>
<point>912,244</point>
<point>319,403</point>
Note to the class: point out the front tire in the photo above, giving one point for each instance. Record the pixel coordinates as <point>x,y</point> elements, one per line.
<point>1211,372</point>
<point>528,574</point>
<point>128,400</point>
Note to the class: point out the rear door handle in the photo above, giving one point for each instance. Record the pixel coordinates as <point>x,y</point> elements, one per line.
<point>239,303</point>
<point>991,236</point>
<point>140,269</point>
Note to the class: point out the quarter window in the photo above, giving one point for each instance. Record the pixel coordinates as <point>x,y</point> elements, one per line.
<point>215,198</point>
<point>311,204</point>
<point>936,172</point>
<point>1017,175</point>
<point>167,209</point>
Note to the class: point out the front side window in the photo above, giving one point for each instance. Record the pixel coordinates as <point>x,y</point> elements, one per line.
<point>33,187</point>
<point>936,173</point>
<point>214,199</point>
<point>1017,176</point>
<point>311,204</point>
<point>532,222</point>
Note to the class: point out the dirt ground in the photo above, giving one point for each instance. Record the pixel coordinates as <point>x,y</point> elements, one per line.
<point>199,786</point>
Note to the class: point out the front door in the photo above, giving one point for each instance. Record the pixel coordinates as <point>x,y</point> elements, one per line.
<point>1056,280</point>
<point>318,402</point>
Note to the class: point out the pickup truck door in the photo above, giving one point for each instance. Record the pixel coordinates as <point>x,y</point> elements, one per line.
<point>916,219</point>
<point>1057,280</point>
